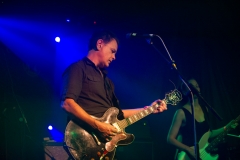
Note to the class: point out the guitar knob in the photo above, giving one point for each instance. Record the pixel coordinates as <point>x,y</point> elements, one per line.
<point>106,158</point>
<point>99,154</point>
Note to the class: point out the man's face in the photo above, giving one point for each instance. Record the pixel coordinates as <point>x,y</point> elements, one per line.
<point>107,53</point>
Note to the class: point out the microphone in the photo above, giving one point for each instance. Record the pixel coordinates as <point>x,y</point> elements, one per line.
<point>137,35</point>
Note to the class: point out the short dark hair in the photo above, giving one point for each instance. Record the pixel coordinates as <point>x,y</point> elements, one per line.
<point>105,35</point>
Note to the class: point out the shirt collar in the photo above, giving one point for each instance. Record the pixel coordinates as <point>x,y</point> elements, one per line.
<point>89,62</point>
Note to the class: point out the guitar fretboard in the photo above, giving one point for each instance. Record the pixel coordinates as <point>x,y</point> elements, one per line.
<point>220,137</point>
<point>171,98</point>
<point>136,117</point>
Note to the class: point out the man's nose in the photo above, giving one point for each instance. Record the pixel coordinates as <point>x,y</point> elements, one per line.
<point>114,56</point>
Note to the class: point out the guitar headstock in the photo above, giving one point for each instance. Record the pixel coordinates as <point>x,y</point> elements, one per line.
<point>173,97</point>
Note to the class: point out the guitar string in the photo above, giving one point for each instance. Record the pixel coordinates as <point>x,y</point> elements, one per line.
<point>123,123</point>
<point>142,114</point>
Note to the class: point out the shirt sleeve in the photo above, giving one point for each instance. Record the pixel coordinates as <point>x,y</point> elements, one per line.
<point>72,82</point>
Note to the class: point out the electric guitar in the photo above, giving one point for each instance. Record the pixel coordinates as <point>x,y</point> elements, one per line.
<point>84,143</point>
<point>205,148</point>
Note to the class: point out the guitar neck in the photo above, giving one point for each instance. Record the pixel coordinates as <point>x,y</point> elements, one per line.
<point>138,116</point>
<point>220,137</point>
<point>171,98</point>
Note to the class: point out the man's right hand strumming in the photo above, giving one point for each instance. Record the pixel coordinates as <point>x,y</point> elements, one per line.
<point>106,130</point>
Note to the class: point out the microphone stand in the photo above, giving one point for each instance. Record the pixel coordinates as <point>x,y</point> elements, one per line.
<point>174,66</point>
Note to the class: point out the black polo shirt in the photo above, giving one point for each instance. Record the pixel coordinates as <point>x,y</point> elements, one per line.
<point>83,82</point>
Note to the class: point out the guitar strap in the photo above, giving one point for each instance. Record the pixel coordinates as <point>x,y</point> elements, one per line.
<point>111,95</point>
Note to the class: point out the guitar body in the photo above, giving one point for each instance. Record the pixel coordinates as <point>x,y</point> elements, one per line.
<point>204,155</point>
<point>85,144</point>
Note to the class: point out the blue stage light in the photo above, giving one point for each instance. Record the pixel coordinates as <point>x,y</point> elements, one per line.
<point>50,127</point>
<point>57,39</point>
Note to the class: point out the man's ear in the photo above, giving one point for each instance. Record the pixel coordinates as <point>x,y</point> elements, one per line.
<point>99,44</point>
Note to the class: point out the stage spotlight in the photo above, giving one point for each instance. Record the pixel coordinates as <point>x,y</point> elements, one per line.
<point>50,127</point>
<point>56,135</point>
<point>68,20</point>
<point>57,39</point>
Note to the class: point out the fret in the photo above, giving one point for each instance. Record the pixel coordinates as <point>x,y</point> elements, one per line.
<point>122,124</point>
<point>132,119</point>
<point>151,109</point>
<point>142,114</point>
<point>129,120</point>
<point>125,124</point>
<point>135,117</point>
<point>139,116</point>
<point>146,111</point>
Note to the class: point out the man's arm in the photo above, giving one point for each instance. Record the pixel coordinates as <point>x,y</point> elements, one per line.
<point>70,106</point>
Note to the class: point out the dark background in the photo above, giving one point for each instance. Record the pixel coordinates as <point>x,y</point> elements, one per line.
<point>201,36</point>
